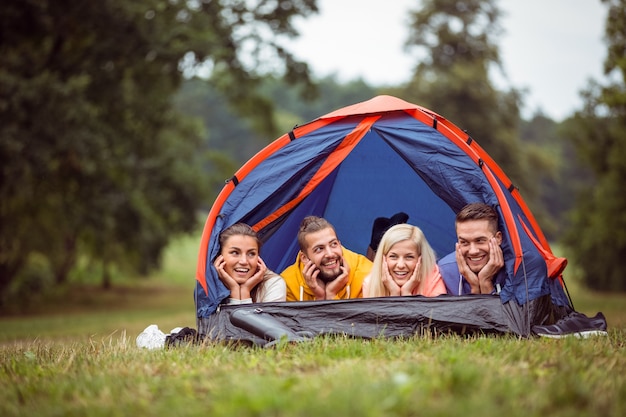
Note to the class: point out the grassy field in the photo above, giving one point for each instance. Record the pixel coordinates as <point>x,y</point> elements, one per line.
<point>79,358</point>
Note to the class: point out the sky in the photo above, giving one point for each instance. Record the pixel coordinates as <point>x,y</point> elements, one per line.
<point>551,48</point>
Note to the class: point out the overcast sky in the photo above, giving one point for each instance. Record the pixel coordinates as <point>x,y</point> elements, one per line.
<point>550,47</point>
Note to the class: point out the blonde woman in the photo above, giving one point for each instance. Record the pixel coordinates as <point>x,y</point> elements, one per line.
<point>404,264</point>
<point>242,270</point>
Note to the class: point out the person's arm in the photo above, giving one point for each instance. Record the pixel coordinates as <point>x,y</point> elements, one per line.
<point>388,282</point>
<point>274,289</point>
<point>229,282</point>
<point>433,284</point>
<point>238,301</point>
<point>246,288</point>
<point>335,286</point>
<point>482,283</point>
<point>316,285</point>
<point>470,277</point>
<point>487,275</point>
<point>411,285</point>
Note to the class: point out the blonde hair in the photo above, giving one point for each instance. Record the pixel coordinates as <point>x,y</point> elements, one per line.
<point>396,234</point>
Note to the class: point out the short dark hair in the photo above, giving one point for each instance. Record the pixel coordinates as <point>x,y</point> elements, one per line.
<point>478,211</point>
<point>311,224</point>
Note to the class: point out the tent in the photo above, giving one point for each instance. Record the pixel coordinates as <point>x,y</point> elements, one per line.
<point>350,166</point>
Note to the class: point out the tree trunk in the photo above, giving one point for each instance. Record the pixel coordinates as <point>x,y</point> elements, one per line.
<point>106,276</point>
<point>62,270</point>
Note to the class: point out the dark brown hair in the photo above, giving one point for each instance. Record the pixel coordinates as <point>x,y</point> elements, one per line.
<point>479,211</point>
<point>311,224</point>
<point>238,229</point>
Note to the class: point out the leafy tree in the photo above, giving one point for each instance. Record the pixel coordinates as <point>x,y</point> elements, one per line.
<point>459,38</point>
<point>225,130</point>
<point>598,235</point>
<point>235,137</point>
<point>94,157</point>
<point>555,186</point>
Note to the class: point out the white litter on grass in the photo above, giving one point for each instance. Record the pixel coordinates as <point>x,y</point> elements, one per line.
<point>153,338</point>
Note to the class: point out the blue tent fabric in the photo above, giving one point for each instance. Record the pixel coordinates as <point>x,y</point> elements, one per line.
<point>400,164</point>
<point>207,303</point>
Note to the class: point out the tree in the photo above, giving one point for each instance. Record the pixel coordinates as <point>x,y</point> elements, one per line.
<point>226,130</point>
<point>597,238</point>
<point>94,158</point>
<point>556,185</point>
<point>453,78</point>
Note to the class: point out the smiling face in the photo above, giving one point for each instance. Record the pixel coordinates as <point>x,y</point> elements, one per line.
<point>474,238</point>
<point>324,250</point>
<point>241,257</point>
<point>402,260</point>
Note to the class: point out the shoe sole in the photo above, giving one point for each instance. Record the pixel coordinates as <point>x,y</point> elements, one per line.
<point>578,335</point>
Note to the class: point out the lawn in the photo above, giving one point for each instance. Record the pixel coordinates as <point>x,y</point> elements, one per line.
<point>80,358</point>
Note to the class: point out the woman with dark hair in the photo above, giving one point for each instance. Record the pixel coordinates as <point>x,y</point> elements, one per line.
<point>242,270</point>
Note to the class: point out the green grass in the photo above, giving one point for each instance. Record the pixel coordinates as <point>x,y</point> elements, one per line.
<point>86,311</point>
<point>480,376</point>
<point>80,359</point>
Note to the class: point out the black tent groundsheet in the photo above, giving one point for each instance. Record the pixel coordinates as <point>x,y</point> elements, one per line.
<point>388,317</point>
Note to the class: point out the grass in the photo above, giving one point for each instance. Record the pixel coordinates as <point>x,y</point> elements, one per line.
<point>80,359</point>
<point>480,376</point>
<point>86,311</point>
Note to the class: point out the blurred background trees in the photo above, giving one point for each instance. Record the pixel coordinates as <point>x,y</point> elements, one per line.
<point>96,159</point>
<point>597,235</point>
<point>458,41</point>
<point>120,121</point>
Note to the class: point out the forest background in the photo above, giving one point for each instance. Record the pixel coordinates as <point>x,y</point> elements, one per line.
<point>112,146</point>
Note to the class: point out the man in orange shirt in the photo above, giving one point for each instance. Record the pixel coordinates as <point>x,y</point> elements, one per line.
<point>324,270</point>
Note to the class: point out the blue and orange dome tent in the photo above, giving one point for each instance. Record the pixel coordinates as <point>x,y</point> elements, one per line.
<point>372,159</point>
